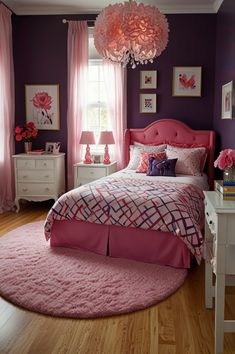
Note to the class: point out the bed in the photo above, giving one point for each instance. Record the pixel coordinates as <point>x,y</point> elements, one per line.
<point>110,229</point>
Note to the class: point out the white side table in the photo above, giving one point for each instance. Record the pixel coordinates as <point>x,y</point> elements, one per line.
<point>38,177</point>
<point>86,173</point>
<point>220,259</point>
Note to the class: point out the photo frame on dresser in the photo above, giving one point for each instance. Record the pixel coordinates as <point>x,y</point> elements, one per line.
<point>52,148</point>
<point>42,106</point>
<point>186,81</point>
<point>228,100</point>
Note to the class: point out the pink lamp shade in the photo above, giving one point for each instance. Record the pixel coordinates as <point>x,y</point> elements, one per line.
<point>87,138</point>
<point>106,138</point>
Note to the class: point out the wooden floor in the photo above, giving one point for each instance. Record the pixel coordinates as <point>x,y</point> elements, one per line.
<point>178,325</point>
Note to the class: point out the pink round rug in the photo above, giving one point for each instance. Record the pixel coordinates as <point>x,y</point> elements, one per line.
<point>74,283</point>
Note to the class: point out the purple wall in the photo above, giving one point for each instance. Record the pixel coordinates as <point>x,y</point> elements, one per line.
<point>40,57</point>
<point>191,43</point>
<point>224,71</point>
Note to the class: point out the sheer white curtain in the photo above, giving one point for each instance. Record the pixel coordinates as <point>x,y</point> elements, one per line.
<point>77,90</point>
<point>115,83</point>
<point>6,111</point>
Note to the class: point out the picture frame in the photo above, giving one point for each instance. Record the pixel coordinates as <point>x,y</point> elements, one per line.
<point>228,101</point>
<point>187,81</point>
<point>148,103</point>
<point>148,79</point>
<point>52,147</point>
<point>42,106</point>
<point>97,158</point>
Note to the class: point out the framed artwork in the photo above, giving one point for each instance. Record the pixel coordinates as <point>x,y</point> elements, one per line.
<point>148,103</point>
<point>42,106</point>
<point>187,81</point>
<point>228,100</point>
<point>148,79</point>
<point>52,147</point>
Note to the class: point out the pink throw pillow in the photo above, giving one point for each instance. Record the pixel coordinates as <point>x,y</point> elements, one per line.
<point>193,145</point>
<point>144,160</point>
<point>189,159</point>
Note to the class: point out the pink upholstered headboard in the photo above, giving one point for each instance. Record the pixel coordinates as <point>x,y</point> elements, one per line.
<point>165,131</point>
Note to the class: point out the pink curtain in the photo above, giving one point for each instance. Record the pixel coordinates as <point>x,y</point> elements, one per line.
<point>6,111</point>
<point>77,88</point>
<point>115,83</point>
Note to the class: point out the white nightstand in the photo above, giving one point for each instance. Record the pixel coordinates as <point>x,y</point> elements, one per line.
<point>84,173</point>
<point>38,177</point>
<point>220,259</point>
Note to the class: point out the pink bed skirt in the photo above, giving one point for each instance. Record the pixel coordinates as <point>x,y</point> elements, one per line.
<point>142,245</point>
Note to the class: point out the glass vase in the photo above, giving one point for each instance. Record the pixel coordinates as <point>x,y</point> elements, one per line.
<point>229,176</point>
<point>27,146</point>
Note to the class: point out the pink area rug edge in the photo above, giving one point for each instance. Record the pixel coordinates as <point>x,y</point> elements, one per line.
<point>99,286</point>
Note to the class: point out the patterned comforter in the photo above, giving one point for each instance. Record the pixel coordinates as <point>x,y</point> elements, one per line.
<point>150,205</point>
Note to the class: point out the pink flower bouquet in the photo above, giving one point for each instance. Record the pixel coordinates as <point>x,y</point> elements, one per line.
<point>26,133</point>
<point>226,159</point>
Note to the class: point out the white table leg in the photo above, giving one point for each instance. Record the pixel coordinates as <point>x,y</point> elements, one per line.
<point>219,313</point>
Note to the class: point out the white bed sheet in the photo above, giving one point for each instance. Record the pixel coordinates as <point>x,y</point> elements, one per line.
<point>200,181</point>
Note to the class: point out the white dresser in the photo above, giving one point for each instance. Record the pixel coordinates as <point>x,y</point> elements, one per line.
<point>39,177</point>
<point>84,173</point>
<point>220,259</point>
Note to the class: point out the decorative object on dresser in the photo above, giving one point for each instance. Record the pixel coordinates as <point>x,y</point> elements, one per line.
<point>130,33</point>
<point>226,192</point>
<point>26,134</point>
<point>106,138</point>
<point>226,163</point>
<point>85,174</point>
<point>187,81</point>
<point>42,106</point>
<point>38,177</point>
<point>52,148</point>
<point>228,100</point>
<point>219,253</point>
<point>87,138</point>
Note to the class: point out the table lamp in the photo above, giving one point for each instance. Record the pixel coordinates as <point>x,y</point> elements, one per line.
<point>87,138</point>
<point>105,139</point>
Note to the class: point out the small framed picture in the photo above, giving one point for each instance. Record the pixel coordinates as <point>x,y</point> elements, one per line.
<point>42,106</point>
<point>228,100</point>
<point>148,103</point>
<point>148,79</point>
<point>97,158</point>
<point>187,81</point>
<point>52,148</point>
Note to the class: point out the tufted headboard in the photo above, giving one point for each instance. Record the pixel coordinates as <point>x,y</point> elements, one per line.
<point>165,131</point>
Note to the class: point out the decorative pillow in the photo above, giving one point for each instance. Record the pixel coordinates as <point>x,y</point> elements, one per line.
<point>144,160</point>
<point>135,153</point>
<point>189,159</point>
<point>195,146</point>
<point>161,167</point>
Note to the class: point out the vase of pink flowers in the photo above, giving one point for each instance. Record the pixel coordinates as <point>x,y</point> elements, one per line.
<point>26,133</point>
<point>226,163</point>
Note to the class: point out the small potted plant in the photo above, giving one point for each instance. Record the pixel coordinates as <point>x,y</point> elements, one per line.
<point>26,134</point>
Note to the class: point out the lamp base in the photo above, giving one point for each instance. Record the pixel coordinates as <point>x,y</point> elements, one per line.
<point>106,156</point>
<point>88,158</point>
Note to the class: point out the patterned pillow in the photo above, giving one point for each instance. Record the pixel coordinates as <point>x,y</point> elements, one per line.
<point>189,159</point>
<point>161,167</point>
<point>195,146</point>
<point>144,160</point>
<point>135,153</point>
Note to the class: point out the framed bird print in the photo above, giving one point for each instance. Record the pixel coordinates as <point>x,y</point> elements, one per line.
<point>187,81</point>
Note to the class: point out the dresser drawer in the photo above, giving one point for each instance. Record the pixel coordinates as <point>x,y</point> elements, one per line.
<point>44,164</point>
<point>35,175</point>
<point>91,172</point>
<point>211,217</point>
<point>32,189</point>
<point>23,164</point>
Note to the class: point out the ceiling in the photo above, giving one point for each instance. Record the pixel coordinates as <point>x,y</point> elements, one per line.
<point>53,7</point>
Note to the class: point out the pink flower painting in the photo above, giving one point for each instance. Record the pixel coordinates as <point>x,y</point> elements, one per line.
<point>187,82</point>
<point>42,106</point>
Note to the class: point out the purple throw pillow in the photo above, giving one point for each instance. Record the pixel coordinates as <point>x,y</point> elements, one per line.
<point>161,167</point>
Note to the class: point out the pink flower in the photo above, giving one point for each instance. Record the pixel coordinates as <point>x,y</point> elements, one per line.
<point>42,100</point>
<point>18,137</point>
<point>226,159</point>
<point>18,130</point>
<point>26,133</point>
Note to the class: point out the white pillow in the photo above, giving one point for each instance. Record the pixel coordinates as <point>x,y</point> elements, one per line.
<point>135,153</point>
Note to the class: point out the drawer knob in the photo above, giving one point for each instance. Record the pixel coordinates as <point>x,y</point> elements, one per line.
<point>24,176</point>
<point>47,189</point>
<point>91,173</point>
<point>210,222</point>
<point>25,189</point>
<point>45,164</point>
<point>207,213</point>
<point>46,176</point>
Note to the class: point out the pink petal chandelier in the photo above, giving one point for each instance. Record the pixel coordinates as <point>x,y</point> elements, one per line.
<point>130,33</point>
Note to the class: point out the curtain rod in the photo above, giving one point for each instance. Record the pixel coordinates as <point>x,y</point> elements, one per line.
<point>66,21</point>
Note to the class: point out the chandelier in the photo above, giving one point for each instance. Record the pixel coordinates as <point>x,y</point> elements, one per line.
<point>130,33</point>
